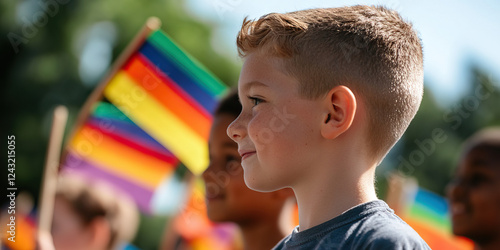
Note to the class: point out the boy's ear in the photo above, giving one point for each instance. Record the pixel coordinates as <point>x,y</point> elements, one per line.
<point>341,108</point>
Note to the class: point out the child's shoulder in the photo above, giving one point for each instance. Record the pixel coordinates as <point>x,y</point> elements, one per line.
<point>371,225</point>
<point>374,225</point>
<point>384,230</point>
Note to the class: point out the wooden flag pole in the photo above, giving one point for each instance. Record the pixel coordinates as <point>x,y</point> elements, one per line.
<point>152,24</point>
<point>49,181</point>
<point>395,192</point>
<point>399,189</point>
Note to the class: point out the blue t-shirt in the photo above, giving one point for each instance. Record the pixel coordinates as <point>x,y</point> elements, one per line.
<point>371,225</point>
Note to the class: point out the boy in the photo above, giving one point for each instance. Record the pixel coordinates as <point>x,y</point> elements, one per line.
<point>258,215</point>
<point>475,194</point>
<point>325,94</point>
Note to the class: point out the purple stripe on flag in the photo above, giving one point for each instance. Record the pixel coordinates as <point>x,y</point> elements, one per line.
<point>78,165</point>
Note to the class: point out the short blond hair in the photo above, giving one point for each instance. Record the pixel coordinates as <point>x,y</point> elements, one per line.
<point>371,50</point>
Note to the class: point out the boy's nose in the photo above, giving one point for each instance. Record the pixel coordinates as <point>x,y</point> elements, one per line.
<point>236,130</point>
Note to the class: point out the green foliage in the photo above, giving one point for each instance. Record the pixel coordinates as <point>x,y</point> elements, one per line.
<point>150,233</point>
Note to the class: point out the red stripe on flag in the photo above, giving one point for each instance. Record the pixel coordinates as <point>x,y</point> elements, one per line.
<point>169,160</point>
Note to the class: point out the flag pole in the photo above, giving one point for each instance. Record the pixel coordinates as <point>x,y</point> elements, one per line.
<point>152,24</point>
<point>399,189</point>
<point>49,180</point>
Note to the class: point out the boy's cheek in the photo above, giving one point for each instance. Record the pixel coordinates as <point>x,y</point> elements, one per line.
<point>255,131</point>
<point>481,199</point>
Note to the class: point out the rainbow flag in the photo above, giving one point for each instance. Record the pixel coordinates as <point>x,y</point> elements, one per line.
<point>153,114</point>
<point>428,215</point>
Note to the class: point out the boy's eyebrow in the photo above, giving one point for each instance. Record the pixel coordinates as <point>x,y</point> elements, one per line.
<point>251,84</point>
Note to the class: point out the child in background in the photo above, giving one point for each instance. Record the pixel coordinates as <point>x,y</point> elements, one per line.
<point>475,193</point>
<point>325,94</point>
<point>90,216</point>
<point>228,198</point>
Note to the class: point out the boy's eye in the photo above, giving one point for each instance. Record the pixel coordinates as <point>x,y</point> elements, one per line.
<point>255,100</point>
<point>472,181</point>
<point>477,180</point>
<point>230,158</point>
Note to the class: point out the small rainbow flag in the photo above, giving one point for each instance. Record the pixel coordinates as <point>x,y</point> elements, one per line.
<point>428,215</point>
<point>153,113</point>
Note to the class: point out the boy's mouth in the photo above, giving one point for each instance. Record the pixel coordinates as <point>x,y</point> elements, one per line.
<point>246,153</point>
<point>211,196</point>
<point>214,198</point>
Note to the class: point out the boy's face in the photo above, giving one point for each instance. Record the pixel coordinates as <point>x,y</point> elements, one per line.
<point>278,131</point>
<point>475,197</point>
<point>227,196</point>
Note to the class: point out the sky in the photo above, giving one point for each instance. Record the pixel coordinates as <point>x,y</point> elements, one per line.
<point>454,33</point>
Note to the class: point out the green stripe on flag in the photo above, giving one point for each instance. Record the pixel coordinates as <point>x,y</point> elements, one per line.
<point>425,214</point>
<point>211,83</point>
<point>108,110</point>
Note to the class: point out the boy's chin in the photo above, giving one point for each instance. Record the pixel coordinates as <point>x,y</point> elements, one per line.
<point>259,184</point>
<point>464,231</point>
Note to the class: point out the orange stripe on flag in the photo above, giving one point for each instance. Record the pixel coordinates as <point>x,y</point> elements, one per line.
<point>436,238</point>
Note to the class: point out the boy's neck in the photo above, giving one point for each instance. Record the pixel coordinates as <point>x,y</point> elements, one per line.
<point>329,195</point>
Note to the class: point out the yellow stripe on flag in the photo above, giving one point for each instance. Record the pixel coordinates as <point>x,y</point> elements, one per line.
<point>158,121</point>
